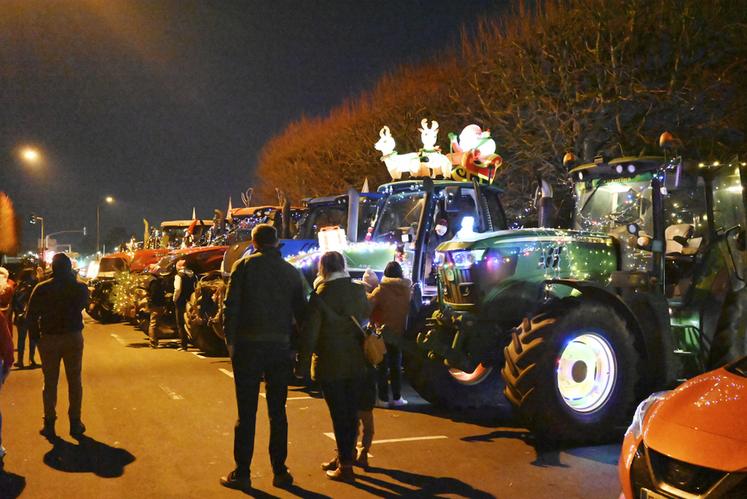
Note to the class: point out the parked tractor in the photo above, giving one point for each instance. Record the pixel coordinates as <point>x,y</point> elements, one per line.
<point>101,305</point>
<point>647,288</point>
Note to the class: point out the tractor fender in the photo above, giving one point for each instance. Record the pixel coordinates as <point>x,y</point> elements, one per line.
<point>647,317</point>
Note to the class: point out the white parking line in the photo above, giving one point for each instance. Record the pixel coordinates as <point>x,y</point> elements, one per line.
<point>120,340</point>
<point>171,393</point>
<point>394,440</point>
<point>226,372</point>
<point>290,398</point>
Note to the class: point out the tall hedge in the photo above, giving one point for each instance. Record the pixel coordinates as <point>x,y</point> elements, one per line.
<point>588,76</point>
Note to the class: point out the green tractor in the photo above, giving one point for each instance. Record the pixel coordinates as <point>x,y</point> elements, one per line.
<point>647,288</point>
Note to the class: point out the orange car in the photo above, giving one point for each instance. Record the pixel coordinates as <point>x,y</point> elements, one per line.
<point>690,442</point>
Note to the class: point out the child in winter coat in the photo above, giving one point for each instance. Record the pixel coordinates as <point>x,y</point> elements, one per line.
<point>390,303</point>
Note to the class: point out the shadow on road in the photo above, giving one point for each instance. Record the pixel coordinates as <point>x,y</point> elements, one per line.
<point>293,490</point>
<point>11,485</point>
<point>87,456</point>
<point>417,485</point>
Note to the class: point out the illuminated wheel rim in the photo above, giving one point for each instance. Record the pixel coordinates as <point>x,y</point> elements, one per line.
<point>473,378</point>
<point>586,372</point>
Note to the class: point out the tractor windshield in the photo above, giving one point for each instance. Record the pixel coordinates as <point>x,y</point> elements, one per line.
<point>610,206</point>
<point>400,215</point>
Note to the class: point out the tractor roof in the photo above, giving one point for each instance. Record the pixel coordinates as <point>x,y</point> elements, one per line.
<point>626,166</point>
<point>413,185</point>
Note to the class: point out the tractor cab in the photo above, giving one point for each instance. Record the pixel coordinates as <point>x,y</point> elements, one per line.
<point>679,227</point>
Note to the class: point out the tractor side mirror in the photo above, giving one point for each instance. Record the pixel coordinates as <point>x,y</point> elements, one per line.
<point>451,199</point>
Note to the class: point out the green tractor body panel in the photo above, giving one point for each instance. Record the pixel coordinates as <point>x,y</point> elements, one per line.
<point>501,275</point>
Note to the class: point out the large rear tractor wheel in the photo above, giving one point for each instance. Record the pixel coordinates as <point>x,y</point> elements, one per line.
<point>571,372</point>
<point>203,317</point>
<point>451,388</point>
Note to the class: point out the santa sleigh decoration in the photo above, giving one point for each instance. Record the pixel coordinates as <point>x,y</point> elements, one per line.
<point>472,156</point>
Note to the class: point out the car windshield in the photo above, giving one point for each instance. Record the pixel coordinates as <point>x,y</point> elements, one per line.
<point>322,216</point>
<point>400,215</point>
<point>606,205</point>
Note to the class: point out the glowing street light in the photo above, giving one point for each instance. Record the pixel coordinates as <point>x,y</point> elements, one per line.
<point>107,200</point>
<point>30,155</point>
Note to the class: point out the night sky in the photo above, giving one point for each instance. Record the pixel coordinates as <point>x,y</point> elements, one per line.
<point>166,105</point>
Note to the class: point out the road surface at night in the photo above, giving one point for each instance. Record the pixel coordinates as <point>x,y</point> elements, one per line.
<point>160,424</point>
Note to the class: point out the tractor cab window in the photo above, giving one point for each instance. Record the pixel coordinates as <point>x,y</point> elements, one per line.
<point>400,215</point>
<point>728,208</point>
<point>611,206</point>
<point>367,208</point>
<point>322,216</point>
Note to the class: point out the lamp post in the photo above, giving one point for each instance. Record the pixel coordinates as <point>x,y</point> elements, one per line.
<point>108,200</point>
<point>34,219</point>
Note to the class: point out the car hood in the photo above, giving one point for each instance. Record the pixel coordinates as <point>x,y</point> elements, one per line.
<point>702,422</point>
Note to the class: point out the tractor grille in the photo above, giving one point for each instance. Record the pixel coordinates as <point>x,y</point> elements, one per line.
<point>458,286</point>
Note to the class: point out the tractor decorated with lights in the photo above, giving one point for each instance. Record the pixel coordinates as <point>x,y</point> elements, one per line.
<point>647,288</point>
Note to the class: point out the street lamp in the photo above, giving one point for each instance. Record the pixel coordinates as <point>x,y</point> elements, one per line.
<point>107,200</point>
<point>30,155</point>
<point>34,219</point>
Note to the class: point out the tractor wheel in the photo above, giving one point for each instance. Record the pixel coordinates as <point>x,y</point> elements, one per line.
<point>452,388</point>
<point>198,320</point>
<point>730,341</point>
<point>571,372</point>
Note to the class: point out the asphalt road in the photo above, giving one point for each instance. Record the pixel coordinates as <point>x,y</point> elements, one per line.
<point>160,424</point>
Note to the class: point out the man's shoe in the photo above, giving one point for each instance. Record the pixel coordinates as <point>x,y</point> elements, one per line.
<point>237,482</point>
<point>398,402</point>
<point>77,427</point>
<point>181,349</point>
<point>19,364</point>
<point>343,473</point>
<point>33,364</point>
<point>48,429</point>
<point>154,345</point>
<point>282,480</point>
<point>331,465</point>
<point>361,459</point>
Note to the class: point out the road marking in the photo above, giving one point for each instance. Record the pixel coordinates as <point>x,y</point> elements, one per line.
<point>226,372</point>
<point>120,340</point>
<point>394,440</point>
<point>289,398</point>
<point>171,393</point>
<point>197,354</point>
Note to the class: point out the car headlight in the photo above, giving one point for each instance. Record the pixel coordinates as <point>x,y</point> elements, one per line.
<point>636,427</point>
<point>465,259</point>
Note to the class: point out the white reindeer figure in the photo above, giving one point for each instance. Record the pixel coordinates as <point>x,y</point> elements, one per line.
<point>430,155</point>
<point>396,164</point>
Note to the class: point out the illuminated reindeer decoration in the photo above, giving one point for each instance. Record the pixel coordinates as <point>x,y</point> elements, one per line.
<point>395,163</point>
<point>428,161</point>
<point>430,155</point>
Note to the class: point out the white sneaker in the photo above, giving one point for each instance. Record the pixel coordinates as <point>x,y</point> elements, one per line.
<point>398,402</point>
<point>381,403</point>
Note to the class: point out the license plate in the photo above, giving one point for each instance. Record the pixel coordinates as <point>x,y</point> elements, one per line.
<point>650,494</point>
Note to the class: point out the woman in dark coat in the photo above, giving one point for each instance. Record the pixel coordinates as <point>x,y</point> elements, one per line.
<point>337,363</point>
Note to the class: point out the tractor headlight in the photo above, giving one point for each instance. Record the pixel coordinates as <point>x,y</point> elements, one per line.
<point>465,259</point>
<point>636,427</point>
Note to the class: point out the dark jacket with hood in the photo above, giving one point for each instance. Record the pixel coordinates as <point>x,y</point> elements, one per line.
<point>265,293</point>
<point>56,305</point>
<point>330,334</point>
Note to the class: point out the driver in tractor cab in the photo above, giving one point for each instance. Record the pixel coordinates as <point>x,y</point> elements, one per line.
<point>441,233</point>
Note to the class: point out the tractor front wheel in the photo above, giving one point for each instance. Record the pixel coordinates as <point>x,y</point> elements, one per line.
<point>571,372</point>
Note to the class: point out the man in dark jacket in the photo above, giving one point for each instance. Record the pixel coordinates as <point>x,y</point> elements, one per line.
<point>156,305</point>
<point>265,294</point>
<point>55,321</point>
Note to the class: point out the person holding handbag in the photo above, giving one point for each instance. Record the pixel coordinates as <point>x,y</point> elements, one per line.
<point>332,345</point>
